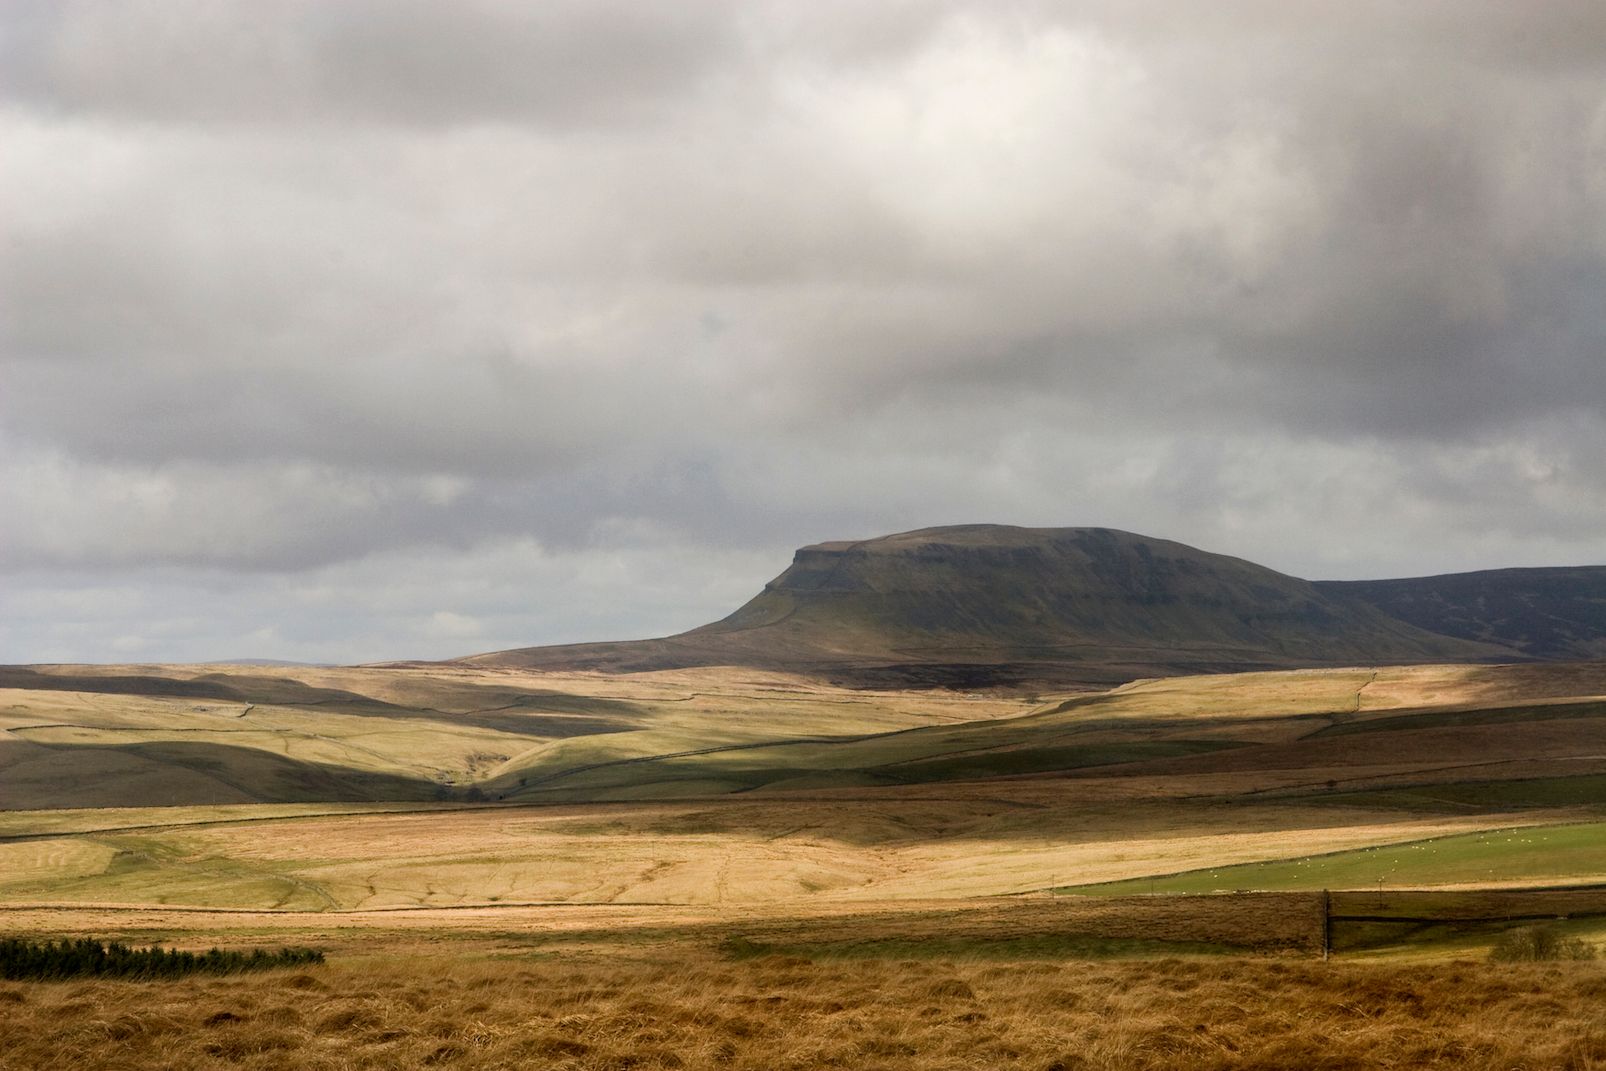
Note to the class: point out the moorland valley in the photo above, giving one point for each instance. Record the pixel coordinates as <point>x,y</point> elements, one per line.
<point>959,758</point>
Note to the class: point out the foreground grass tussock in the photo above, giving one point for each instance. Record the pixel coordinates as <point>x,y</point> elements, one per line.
<point>56,960</point>
<point>780,1013</point>
<point>1539,944</point>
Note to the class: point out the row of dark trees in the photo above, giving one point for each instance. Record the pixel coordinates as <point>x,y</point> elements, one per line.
<point>21,958</point>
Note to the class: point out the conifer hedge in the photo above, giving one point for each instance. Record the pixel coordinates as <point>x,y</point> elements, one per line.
<point>74,958</point>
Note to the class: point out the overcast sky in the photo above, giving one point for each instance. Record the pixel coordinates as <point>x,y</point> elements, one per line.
<point>344,330</point>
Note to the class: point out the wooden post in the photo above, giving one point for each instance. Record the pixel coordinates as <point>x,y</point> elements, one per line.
<point>1327,924</point>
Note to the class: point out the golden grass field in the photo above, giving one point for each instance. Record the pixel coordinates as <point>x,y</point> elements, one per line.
<point>511,868</point>
<point>733,788</point>
<point>778,1012</point>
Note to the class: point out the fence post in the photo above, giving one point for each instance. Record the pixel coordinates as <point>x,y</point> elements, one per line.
<point>1327,924</point>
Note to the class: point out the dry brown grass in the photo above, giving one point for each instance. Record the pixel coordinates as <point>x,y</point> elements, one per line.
<point>776,1013</point>
<point>1250,922</point>
<point>970,840</point>
<point>121,736</point>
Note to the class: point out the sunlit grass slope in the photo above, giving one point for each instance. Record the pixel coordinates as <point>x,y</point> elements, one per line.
<point>734,788</point>
<point>170,735</point>
<point>130,736</point>
<point>1524,855</point>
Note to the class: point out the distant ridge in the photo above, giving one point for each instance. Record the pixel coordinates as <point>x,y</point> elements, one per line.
<point>1551,614</point>
<point>987,605</point>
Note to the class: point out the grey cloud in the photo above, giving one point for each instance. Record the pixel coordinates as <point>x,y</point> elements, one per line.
<point>307,288</point>
<point>1563,36</point>
<point>418,603</point>
<point>566,63</point>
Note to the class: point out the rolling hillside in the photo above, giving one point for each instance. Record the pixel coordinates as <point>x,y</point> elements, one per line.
<point>347,790</point>
<point>722,768</point>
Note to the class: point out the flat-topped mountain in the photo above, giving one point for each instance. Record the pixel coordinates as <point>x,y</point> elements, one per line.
<point>991,604</point>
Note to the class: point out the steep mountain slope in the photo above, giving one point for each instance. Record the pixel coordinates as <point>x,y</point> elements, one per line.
<point>991,604</point>
<point>1543,613</point>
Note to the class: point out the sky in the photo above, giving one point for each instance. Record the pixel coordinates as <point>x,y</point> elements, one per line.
<point>351,330</point>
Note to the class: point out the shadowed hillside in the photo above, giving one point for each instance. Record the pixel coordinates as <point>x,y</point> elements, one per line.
<point>1543,613</point>
<point>980,605</point>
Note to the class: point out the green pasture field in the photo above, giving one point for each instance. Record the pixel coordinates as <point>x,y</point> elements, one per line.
<point>1560,853</point>
<point>1583,790</point>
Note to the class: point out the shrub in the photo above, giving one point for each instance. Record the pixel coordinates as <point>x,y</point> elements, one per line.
<point>739,947</point>
<point>1534,944</point>
<point>21,958</point>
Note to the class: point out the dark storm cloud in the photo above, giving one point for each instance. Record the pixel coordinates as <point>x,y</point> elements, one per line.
<point>599,296</point>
